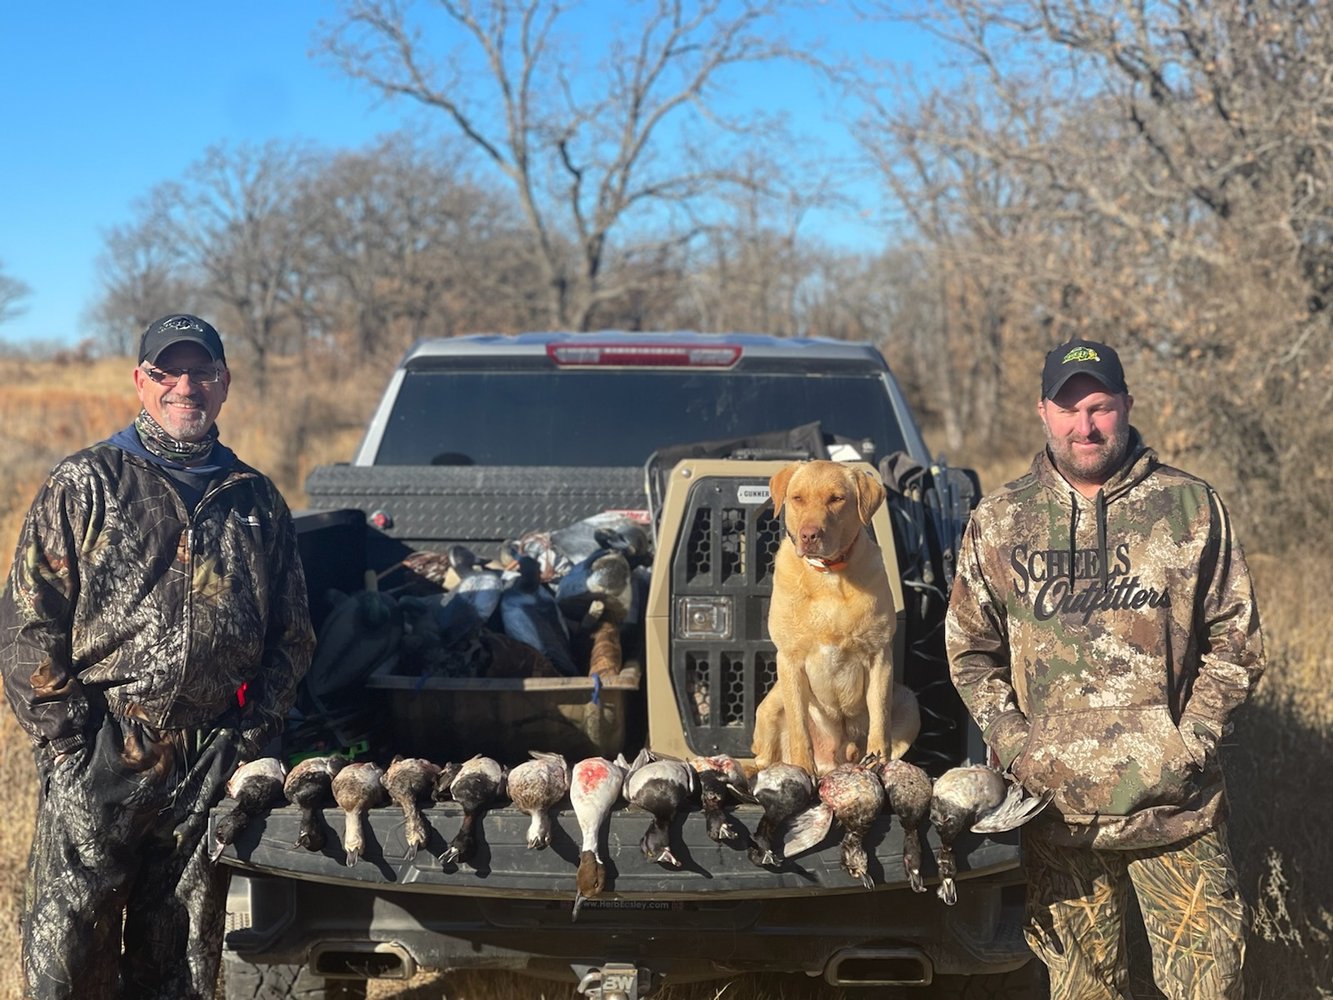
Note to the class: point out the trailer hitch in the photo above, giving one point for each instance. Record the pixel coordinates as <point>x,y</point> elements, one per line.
<point>615,981</point>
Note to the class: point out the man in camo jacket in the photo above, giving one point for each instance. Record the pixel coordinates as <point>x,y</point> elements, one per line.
<point>155,627</point>
<point>1101,630</point>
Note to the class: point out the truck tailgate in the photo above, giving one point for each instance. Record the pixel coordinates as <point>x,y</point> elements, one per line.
<point>504,866</point>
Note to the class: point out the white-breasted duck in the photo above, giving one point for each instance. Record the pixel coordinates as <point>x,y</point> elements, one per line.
<point>309,787</point>
<point>253,788</point>
<point>907,790</point>
<point>409,782</point>
<point>479,783</point>
<point>783,790</point>
<point>977,798</point>
<point>536,786</point>
<point>662,787</point>
<point>595,785</point>
<point>722,782</point>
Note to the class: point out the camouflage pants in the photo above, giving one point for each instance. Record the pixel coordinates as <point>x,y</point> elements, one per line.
<point>121,899</point>
<point>1192,910</point>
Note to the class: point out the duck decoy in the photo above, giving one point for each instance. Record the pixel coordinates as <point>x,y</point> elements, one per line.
<point>597,588</point>
<point>595,785</point>
<point>535,787</point>
<point>853,795</point>
<point>783,790</point>
<point>977,798</point>
<point>477,585</point>
<point>479,782</point>
<point>722,782</point>
<point>529,613</point>
<point>661,786</point>
<point>358,787</point>
<point>309,787</point>
<point>253,787</point>
<point>907,790</point>
<point>409,781</point>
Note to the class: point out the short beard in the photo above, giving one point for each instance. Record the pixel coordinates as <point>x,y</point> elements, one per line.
<point>1094,469</point>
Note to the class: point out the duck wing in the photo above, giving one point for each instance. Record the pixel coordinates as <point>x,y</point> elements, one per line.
<point>1016,809</point>
<point>805,830</point>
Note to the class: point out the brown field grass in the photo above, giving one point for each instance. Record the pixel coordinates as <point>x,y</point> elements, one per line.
<point>1278,759</point>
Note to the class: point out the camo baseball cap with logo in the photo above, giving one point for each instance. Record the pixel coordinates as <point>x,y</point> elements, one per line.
<point>1082,357</point>
<point>175,328</point>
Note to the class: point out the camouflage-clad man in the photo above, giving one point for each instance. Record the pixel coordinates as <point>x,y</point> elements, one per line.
<point>154,629</point>
<point>1102,629</point>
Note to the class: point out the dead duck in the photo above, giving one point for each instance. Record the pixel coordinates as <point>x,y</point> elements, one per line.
<point>409,781</point>
<point>977,798</point>
<point>722,782</point>
<point>448,772</point>
<point>253,788</point>
<point>661,786</point>
<point>907,790</point>
<point>309,787</point>
<point>479,782</point>
<point>853,795</point>
<point>357,788</point>
<point>595,785</point>
<point>535,787</point>
<point>783,790</point>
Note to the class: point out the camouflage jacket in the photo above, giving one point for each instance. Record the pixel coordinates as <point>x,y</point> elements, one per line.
<point>118,596</point>
<point>1085,635</point>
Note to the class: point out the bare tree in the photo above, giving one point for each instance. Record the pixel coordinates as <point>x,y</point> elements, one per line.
<point>12,292</point>
<point>590,154</point>
<point>243,224</point>
<point>1159,174</point>
<point>405,243</point>
<point>142,279</point>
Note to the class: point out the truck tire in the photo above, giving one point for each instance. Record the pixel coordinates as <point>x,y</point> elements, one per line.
<point>243,981</point>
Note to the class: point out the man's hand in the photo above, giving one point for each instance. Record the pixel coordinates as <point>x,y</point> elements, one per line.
<point>1200,742</point>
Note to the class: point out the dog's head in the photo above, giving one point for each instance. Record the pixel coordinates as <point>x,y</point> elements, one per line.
<point>826,504</point>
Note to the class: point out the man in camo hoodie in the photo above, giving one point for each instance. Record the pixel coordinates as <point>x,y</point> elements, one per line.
<point>154,630</point>
<point>1101,630</point>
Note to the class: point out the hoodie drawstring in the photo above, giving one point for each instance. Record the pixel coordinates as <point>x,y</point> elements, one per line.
<point>1073,534</point>
<point>1103,559</point>
<point>1102,555</point>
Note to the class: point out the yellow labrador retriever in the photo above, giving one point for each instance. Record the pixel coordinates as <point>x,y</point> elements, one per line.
<point>832,619</point>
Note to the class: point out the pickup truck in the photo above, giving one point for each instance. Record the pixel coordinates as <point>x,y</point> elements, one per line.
<point>480,440</point>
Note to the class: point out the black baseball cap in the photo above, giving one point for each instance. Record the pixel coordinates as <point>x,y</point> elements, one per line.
<point>177,327</point>
<point>1082,357</point>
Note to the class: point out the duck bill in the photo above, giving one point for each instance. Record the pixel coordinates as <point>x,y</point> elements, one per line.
<point>666,857</point>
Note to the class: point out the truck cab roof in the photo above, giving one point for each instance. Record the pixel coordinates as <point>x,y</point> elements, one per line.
<point>614,398</point>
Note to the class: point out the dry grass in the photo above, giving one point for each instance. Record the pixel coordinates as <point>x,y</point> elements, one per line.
<point>1278,760</point>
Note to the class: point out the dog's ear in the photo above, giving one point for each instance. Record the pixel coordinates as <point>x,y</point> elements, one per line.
<point>777,486</point>
<point>870,494</point>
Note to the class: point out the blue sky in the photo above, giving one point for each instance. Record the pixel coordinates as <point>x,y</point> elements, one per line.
<point>99,102</point>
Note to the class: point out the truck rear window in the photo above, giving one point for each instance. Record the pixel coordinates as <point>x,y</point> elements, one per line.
<point>619,418</point>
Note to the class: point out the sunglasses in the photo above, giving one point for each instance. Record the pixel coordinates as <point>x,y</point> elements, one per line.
<point>170,376</point>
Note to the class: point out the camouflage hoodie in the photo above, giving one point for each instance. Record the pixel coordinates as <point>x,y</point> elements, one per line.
<point>117,595</point>
<point>1085,635</point>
